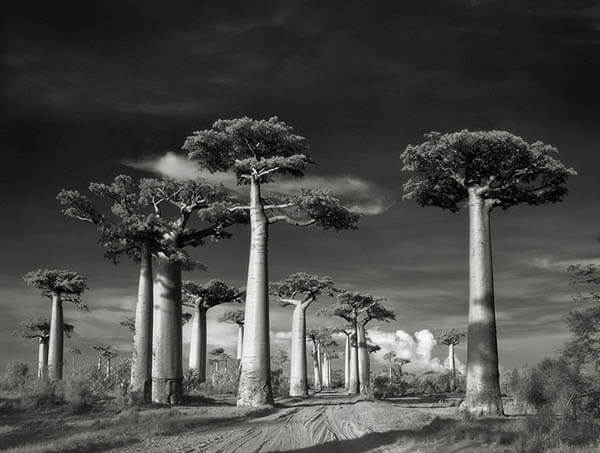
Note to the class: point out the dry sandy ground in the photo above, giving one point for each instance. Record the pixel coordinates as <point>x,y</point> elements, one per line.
<point>327,422</point>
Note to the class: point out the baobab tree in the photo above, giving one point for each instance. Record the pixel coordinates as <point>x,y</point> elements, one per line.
<point>314,336</point>
<point>38,329</point>
<point>60,286</point>
<point>347,331</point>
<point>327,352</point>
<point>359,309</point>
<point>451,338</point>
<point>401,362</point>
<point>300,290</point>
<point>484,170</point>
<point>389,358</point>
<point>130,229</point>
<point>107,353</point>
<point>74,352</point>
<point>174,203</point>
<point>257,151</point>
<point>235,317</point>
<point>201,298</point>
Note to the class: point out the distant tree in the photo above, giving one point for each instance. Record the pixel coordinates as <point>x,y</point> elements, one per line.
<point>326,352</point>
<point>16,374</point>
<point>60,286</point>
<point>74,352</point>
<point>107,353</point>
<point>300,290</point>
<point>389,358</point>
<point>280,358</point>
<point>359,309</point>
<point>256,151</point>
<point>583,348</point>
<point>39,329</point>
<point>129,323</point>
<point>347,331</point>
<point>451,338</point>
<point>316,338</point>
<point>128,228</point>
<point>201,298</point>
<point>485,169</point>
<point>236,317</point>
<point>216,356</point>
<point>401,362</point>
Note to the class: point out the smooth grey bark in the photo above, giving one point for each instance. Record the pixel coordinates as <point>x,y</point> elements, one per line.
<point>99,363</point>
<point>167,366</point>
<point>255,379</point>
<point>43,358</point>
<point>390,370</point>
<point>108,367</point>
<point>240,343</point>
<point>483,387</point>
<point>315,357</point>
<point>298,375</point>
<point>347,363</point>
<point>320,365</point>
<point>452,363</point>
<point>55,348</point>
<point>141,367</point>
<point>197,359</point>
<point>325,368</point>
<point>363,360</point>
<point>353,383</point>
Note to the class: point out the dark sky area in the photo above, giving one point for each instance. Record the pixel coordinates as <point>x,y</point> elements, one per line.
<point>93,89</point>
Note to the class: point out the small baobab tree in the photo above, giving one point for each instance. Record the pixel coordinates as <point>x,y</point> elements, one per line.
<point>389,358</point>
<point>257,151</point>
<point>401,362</point>
<point>484,170</point>
<point>235,317</point>
<point>201,298</point>
<point>347,331</point>
<point>74,352</point>
<point>359,309</point>
<point>60,286</point>
<point>300,290</point>
<point>314,335</point>
<point>107,353</point>
<point>451,338</point>
<point>38,329</point>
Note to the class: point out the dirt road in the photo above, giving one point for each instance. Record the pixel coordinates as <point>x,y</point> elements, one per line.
<point>329,422</point>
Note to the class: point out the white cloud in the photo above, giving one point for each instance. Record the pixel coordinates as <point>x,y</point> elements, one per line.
<point>418,348</point>
<point>356,193</point>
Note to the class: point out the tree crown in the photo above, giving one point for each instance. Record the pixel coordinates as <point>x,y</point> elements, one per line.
<point>233,317</point>
<point>209,294</point>
<point>451,337</point>
<point>67,284</point>
<point>39,328</point>
<point>357,307</point>
<point>302,284</point>
<point>499,166</point>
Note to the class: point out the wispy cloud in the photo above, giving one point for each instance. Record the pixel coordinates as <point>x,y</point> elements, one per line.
<point>356,193</point>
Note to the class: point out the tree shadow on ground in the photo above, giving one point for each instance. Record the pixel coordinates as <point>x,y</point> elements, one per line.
<point>448,431</point>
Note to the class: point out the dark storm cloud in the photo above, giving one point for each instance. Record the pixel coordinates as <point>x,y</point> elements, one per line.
<point>87,85</point>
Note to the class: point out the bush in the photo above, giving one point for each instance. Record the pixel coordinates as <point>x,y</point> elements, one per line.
<point>15,375</point>
<point>42,393</point>
<point>219,382</point>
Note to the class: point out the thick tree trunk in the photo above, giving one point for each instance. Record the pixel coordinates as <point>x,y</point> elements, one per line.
<point>483,388</point>
<point>329,372</point>
<point>452,367</point>
<point>347,363</point>
<point>315,356</point>
<point>43,358</point>
<point>320,365</point>
<point>363,360</point>
<point>354,381</point>
<point>167,367</point>
<point>240,343</point>
<point>255,380</point>
<point>197,360</point>
<point>107,367</point>
<point>99,363</point>
<point>325,368</point>
<point>141,367</point>
<point>390,371</point>
<point>298,376</point>
<point>55,349</point>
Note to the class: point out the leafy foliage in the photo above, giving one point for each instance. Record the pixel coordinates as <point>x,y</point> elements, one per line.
<point>210,294</point>
<point>450,337</point>
<point>233,317</point>
<point>505,169</point>
<point>357,307</point>
<point>68,284</point>
<point>301,283</point>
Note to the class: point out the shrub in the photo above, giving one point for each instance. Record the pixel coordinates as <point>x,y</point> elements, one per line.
<point>42,393</point>
<point>15,375</point>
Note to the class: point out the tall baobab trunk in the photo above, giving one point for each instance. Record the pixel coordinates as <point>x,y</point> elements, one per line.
<point>298,376</point>
<point>198,343</point>
<point>108,367</point>
<point>320,365</point>
<point>240,343</point>
<point>363,360</point>
<point>483,388</point>
<point>167,367</point>
<point>452,364</point>
<point>43,358</point>
<point>390,370</point>
<point>317,380</point>
<point>141,367</point>
<point>55,350</point>
<point>353,380</point>
<point>99,363</point>
<point>255,379</point>
<point>347,363</point>
<point>325,369</point>
<point>329,372</point>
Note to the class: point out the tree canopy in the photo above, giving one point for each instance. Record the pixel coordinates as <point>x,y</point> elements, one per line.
<point>34,328</point>
<point>362,308</point>
<point>502,168</point>
<point>302,288</point>
<point>68,284</point>
<point>233,317</point>
<point>451,337</point>
<point>209,294</point>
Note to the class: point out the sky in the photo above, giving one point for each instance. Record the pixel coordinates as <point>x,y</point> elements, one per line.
<point>90,90</point>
